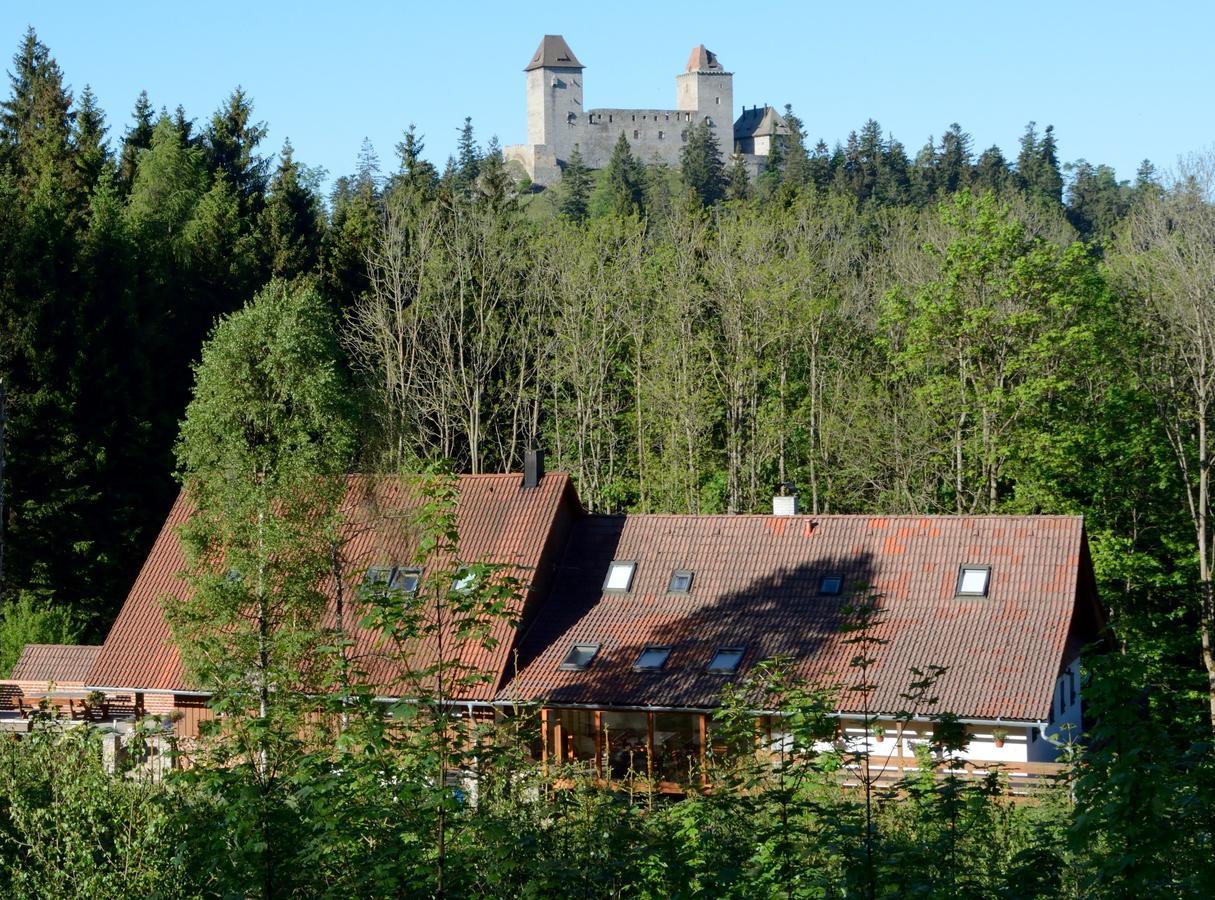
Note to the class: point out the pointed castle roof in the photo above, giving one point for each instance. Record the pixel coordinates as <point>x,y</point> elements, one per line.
<point>703,60</point>
<point>553,52</point>
<point>759,121</point>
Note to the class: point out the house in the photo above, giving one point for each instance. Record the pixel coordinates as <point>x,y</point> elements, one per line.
<point>631,626</point>
<point>48,675</point>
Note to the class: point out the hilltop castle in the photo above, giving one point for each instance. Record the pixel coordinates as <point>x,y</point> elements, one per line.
<point>557,124</point>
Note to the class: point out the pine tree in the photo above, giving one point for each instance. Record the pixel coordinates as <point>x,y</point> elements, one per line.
<point>991,172</point>
<point>137,138</point>
<point>468,159</point>
<point>291,223</point>
<point>575,191</point>
<point>953,160</point>
<point>796,172</point>
<point>415,173</point>
<point>88,141</point>
<point>494,184</point>
<point>738,186</point>
<point>231,143</point>
<point>35,126</point>
<point>621,185</point>
<point>701,165</point>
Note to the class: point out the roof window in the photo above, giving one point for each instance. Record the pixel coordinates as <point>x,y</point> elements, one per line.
<point>579,657</point>
<point>620,576</point>
<point>725,661</point>
<point>405,578</point>
<point>378,576</point>
<point>681,582</point>
<point>465,580</point>
<point>652,659</point>
<point>831,585</point>
<point>973,581</point>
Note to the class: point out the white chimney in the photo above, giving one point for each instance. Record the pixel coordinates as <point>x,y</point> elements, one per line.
<point>785,503</point>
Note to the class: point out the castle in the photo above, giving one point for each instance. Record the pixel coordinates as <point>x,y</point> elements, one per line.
<point>557,124</point>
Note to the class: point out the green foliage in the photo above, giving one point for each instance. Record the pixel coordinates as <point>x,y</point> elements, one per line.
<point>701,165</point>
<point>26,619</point>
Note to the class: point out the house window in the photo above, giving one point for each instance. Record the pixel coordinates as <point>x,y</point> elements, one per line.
<point>620,576</point>
<point>405,579</point>
<point>725,661</point>
<point>830,585</point>
<point>652,659</point>
<point>579,657</point>
<point>973,581</point>
<point>378,576</point>
<point>681,582</point>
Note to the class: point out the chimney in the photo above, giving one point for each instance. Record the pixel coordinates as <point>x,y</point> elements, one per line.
<point>785,503</point>
<point>533,468</point>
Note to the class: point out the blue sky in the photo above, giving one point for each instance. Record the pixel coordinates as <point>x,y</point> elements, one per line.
<point>1120,81</point>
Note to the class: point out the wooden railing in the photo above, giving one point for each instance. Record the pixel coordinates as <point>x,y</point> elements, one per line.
<point>1017,780</point>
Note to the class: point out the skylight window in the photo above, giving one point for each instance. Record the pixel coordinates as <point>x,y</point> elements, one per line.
<point>620,576</point>
<point>725,661</point>
<point>831,585</point>
<point>405,579</point>
<point>973,581</point>
<point>681,582</point>
<point>378,576</point>
<point>579,657</point>
<point>652,659</point>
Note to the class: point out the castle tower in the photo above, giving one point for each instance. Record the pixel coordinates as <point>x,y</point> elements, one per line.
<point>707,90</point>
<point>554,96</point>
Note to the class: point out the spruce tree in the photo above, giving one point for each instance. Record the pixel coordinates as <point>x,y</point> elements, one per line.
<point>231,143</point>
<point>738,186</point>
<point>88,140</point>
<point>796,172</point>
<point>291,223</point>
<point>137,138</point>
<point>621,185</point>
<point>414,173</point>
<point>701,165</point>
<point>575,191</point>
<point>468,159</point>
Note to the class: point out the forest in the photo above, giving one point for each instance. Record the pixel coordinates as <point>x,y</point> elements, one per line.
<point>948,331</point>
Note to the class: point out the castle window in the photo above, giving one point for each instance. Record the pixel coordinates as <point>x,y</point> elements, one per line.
<point>683,135</point>
<point>717,100</point>
<point>687,117</point>
<point>609,118</point>
<point>634,118</point>
<point>667,117</point>
<point>636,134</point>
<point>660,135</point>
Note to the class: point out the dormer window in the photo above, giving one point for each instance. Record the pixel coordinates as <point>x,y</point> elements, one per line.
<point>579,657</point>
<point>830,585</point>
<point>973,581</point>
<point>620,576</point>
<point>725,661</point>
<point>652,659</point>
<point>681,582</point>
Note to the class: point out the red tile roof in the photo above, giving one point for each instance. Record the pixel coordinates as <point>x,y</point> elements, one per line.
<point>498,521</point>
<point>58,663</point>
<point>756,584</point>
